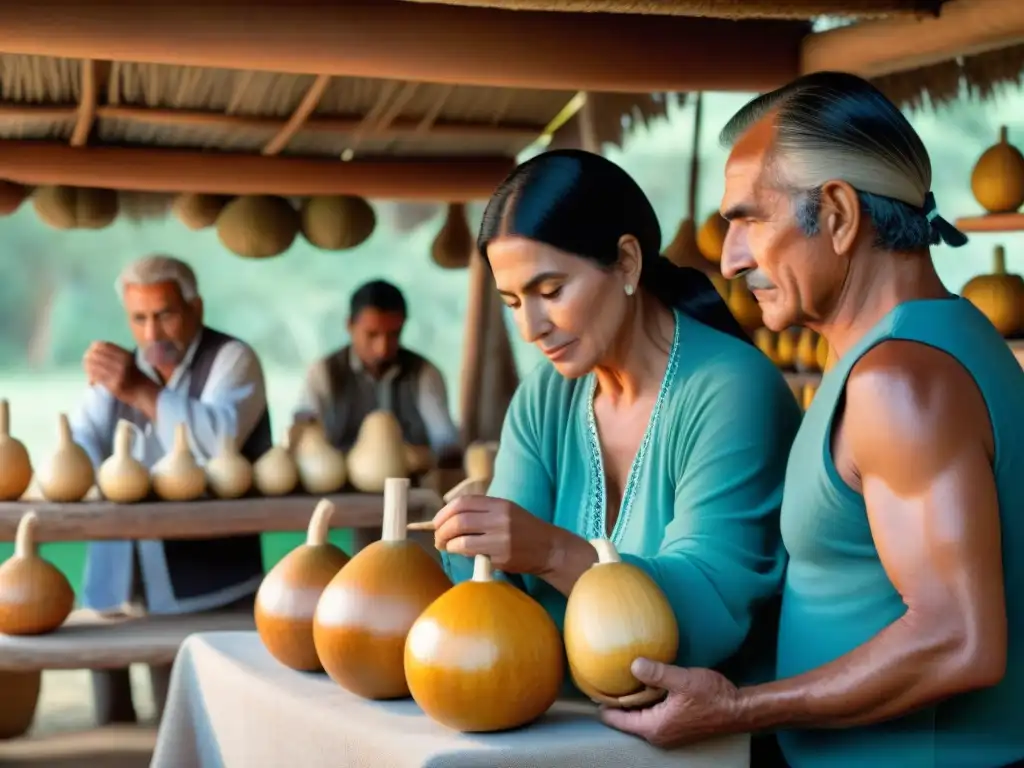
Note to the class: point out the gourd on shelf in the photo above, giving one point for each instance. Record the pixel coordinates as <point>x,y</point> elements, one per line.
<point>823,354</point>
<point>320,465</point>
<point>35,597</point>
<point>997,180</point>
<point>616,613</point>
<point>484,656</point>
<point>69,474</point>
<point>767,342</point>
<point>807,351</point>
<point>229,473</point>
<point>366,611</point>
<point>744,306</point>
<point>378,452</point>
<point>121,478</point>
<point>785,349</point>
<point>288,595</point>
<point>177,476</point>
<point>15,464</point>
<point>275,473</point>
<point>999,296</point>
<point>807,395</point>
<point>419,459</point>
<point>478,463</point>
<point>711,237</point>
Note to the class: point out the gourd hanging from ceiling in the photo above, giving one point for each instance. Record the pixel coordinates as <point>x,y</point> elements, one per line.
<point>12,196</point>
<point>999,296</point>
<point>683,250</point>
<point>63,207</point>
<point>453,246</point>
<point>337,222</point>
<point>258,226</point>
<point>997,180</point>
<point>197,211</point>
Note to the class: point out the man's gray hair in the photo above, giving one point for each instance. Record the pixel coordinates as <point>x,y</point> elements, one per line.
<point>158,268</point>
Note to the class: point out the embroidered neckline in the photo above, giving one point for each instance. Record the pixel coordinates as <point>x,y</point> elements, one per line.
<point>597,501</point>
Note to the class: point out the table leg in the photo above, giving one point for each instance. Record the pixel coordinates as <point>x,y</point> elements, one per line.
<point>160,682</point>
<point>112,696</point>
<point>363,537</point>
<point>18,703</point>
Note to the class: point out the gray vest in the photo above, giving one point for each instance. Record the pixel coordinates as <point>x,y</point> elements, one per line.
<point>197,567</point>
<point>351,396</point>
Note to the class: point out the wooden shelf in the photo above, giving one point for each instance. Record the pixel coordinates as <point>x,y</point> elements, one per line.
<point>993,223</point>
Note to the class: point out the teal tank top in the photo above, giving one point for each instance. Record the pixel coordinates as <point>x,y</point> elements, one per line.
<point>836,594</point>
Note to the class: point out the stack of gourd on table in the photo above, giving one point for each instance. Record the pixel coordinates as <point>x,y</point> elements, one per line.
<point>307,463</point>
<point>479,656</point>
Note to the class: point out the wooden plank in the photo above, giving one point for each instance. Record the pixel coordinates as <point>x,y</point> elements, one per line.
<point>993,223</point>
<point>90,521</point>
<point>90,641</point>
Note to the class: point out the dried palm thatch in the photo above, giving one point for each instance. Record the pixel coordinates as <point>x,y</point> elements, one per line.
<point>722,9</point>
<point>606,118</point>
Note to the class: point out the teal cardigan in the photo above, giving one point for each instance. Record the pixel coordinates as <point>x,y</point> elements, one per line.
<point>700,512</point>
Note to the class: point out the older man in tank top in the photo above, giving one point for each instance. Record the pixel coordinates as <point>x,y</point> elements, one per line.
<point>901,638</point>
<point>375,372</point>
<point>182,372</point>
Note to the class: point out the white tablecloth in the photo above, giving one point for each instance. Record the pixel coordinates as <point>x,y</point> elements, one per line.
<point>231,705</point>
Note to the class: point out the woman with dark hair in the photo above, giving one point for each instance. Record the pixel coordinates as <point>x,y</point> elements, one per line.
<point>657,425</point>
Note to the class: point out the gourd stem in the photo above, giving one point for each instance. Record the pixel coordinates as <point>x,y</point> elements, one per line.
<point>483,568</point>
<point>606,552</point>
<point>24,537</point>
<point>123,438</point>
<point>999,261</point>
<point>227,444</point>
<point>63,430</point>
<point>181,439</point>
<point>319,523</point>
<point>396,509</point>
<point>5,418</point>
<point>1003,136</point>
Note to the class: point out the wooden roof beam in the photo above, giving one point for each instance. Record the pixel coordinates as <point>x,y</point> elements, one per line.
<point>877,48</point>
<point>418,42</point>
<point>302,112</point>
<point>451,179</point>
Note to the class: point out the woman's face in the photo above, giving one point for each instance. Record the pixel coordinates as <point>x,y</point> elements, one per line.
<point>569,306</point>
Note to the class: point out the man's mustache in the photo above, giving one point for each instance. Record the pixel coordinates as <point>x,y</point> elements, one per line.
<point>756,281</point>
<point>162,352</point>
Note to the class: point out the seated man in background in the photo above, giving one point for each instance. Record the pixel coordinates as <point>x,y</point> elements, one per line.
<point>376,372</point>
<point>181,372</point>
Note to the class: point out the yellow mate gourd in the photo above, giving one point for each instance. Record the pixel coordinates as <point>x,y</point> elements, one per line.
<point>999,296</point>
<point>229,473</point>
<point>785,349</point>
<point>615,614</point>
<point>177,476</point>
<point>121,478</point>
<point>744,306</point>
<point>69,474</point>
<point>287,597</point>
<point>378,453</point>
<point>997,180</point>
<point>767,342</point>
<point>15,465</point>
<point>35,597</point>
<point>321,466</point>
<point>484,656</point>
<point>365,612</point>
<point>807,351</point>
<point>711,237</point>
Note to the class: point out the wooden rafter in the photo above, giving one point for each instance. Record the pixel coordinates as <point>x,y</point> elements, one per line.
<point>302,112</point>
<point>87,103</point>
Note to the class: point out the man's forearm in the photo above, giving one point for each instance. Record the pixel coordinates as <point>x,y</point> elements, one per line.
<point>906,666</point>
<point>144,398</point>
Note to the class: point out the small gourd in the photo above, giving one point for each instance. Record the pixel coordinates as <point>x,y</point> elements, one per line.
<point>35,597</point>
<point>997,180</point>
<point>744,306</point>
<point>711,237</point>
<point>807,396</point>
<point>455,243</point>
<point>807,351</point>
<point>177,476</point>
<point>378,453</point>
<point>478,462</point>
<point>766,341</point>
<point>229,473</point>
<point>365,612</point>
<point>15,464</point>
<point>121,478</point>
<point>287,597</point>
<point>484,656</point>
<point>823,354</point>
<point>275,473</point>
<point>999,296</point>
<point>785,349</point>
<point>615,614</point>
<point>419,459</point>
<point>69,474</point>
<point>682,249</point>
<point>321,466</point>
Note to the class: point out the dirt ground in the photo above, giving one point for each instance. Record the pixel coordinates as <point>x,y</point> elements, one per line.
<point>64,733</point>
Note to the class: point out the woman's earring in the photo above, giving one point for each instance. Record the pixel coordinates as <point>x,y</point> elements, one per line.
<point>629,289</point>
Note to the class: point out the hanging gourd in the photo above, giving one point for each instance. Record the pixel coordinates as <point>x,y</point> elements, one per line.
<point>275,473</point>
<point>229,473</point>
<point>744,306</point>
<point>785,349</point>
<point>999,296</point>
<point>765,340</point>
<point>35,597</point>
<point>288,594</point>
<point>365,612</point>
<point>122,479</point>
<point>711,237</point>
<point>378,453</point>
<point>75,207</point>
<point>15,464</point>
<point>321,466</point>
<point>454,243</point>
<point>258,226</point>
<point>615,614</point>
<point>337,222</point>
<point>197,211</point>
<point>12,196</point>
<point>177,476</point>
<point>997,180</point>
<point>484,656</point>
<point>69,474</point>
<point>807,351</point>
<point>682,250</point>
